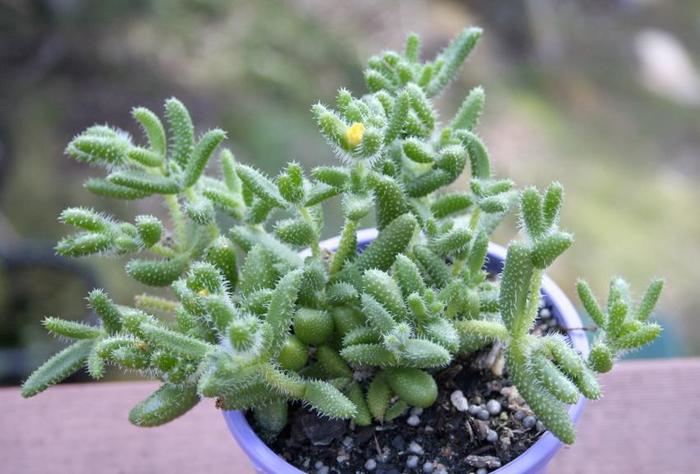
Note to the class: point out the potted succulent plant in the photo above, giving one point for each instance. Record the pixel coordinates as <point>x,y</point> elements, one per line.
<point>413,347</point>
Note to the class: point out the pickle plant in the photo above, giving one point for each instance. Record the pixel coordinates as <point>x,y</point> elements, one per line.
<point>353,333</point>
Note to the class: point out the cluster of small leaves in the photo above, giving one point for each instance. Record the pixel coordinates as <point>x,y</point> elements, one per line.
<point>352,332</point>
<point>623,326</point>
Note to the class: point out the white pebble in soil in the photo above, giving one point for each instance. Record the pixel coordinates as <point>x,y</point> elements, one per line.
<point>474,409</point>
<point>415,448</point>
<point>413,420</point>
<point>459,401</point>
<point>491,436</point>
<point>493,407</point>
<point>318,465</point>
<point>371,464</point>
<point>428,467</point>
<point>412,462</point>
<point>482,470</point>
<point>416,411</point>
<point>519,415</point>
<point>323,470</point>
<point>483,414</point>
<point>529,422</point>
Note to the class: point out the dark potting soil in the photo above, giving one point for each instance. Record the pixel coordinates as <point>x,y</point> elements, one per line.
<point>496,427</point>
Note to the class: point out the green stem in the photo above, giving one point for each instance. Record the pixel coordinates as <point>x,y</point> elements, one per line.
<point>284,382</point>
<point>517,355</point>
<point>533,303</point>
<point>153,303</point>
<point>189,194</point>
<point>214,231</point>
<point>315,247</point>
<point>163,251</point>
<point>473,224</point>
<point>457,266</point>
<point>474,219</point>
<point>177,219</point>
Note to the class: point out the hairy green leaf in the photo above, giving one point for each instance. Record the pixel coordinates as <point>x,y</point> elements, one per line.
<point>170,401</point>
<point>57,368</point>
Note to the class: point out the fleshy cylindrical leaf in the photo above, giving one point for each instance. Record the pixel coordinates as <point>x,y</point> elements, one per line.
<point>222,255</point>
<point>433,266</point>
<point>150,229</point>
<point>106,310</point>
<point>281,310</point>
<point>84,244</point>
<point>553,380</point>
<point>95,149</point>
<point>449,204</point>
<point>385,291</point>
<point>153,128</point>
<point>71,329</point>
<point>175,342</point>
<point>408,276</point>
<point>354,392</point>
<point>601,358</point>
<point>328,400</point>
<point>378,396</point>
<point>271,417</point>
<point>181,131</point>
<point>394,239</point>
<point>260,185</point>
<point>165,404</point>
<point>471,109</point>
<point>377,315</point>
<point>589,302</point>
<point>105,188</point>
<point>515,283</point>
<point>313,326</point>
<point>200,155</point>
<point>84,218</point>
<point>156,272</point>
<point>297,232</point>
<point>649,300</point>
<point>390,200</point>
<point>418,151</point>
<point>415,387</point>
<point>547,250</point>
<point>398,115</point>
<point>453,56</point>
<point>294,354</point>
<point>145,182</point>
<point>424,354</point>
<point>57,368</point>
<point>331,362</point>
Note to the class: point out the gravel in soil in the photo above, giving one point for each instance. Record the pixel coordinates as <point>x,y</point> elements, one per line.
<point>478,424</point>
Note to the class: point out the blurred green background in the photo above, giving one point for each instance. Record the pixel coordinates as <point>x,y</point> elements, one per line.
<point>602,95</point>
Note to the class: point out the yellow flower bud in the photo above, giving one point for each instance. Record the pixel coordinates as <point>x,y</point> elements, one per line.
<point>354,133</point>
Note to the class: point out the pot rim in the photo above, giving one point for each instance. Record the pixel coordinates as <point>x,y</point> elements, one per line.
<point>532,460</point>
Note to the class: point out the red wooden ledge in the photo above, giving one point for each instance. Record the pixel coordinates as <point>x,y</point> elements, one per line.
<point>648,422</point>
